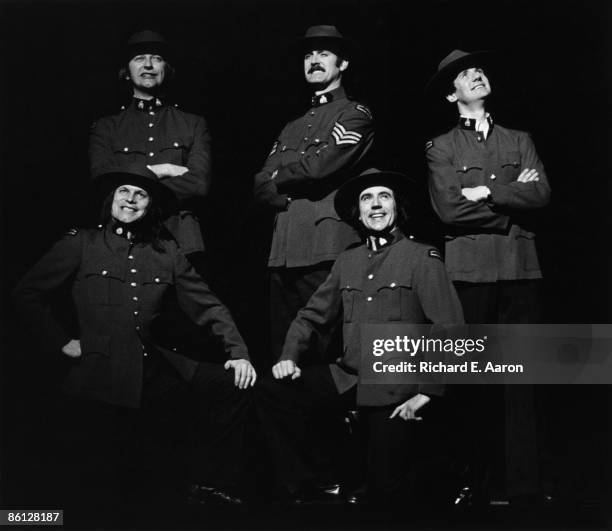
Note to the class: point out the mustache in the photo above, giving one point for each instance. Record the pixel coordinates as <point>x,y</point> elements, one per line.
<point>314,68</point>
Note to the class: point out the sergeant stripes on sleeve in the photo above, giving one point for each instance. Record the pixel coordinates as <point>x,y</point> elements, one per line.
<point>342,136</point>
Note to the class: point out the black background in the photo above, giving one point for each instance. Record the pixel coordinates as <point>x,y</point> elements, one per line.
<point>236,67</point>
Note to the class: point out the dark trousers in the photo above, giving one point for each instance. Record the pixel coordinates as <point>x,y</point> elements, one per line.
<point>284,407</point>
<point>500,416</point>
<point>183,432</point>
<point>290,290</point>
<point>224,417</point>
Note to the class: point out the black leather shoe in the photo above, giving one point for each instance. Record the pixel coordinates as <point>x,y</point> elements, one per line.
<point>205,495</point>
<point>533,501</point>
<point>356,497</point>
<point>317,494</point>
<point>464,497</point>
<point>467,496</point>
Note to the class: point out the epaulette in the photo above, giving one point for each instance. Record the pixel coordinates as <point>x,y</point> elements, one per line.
<point>364,110</point>
<point>434,253</point>
<point>354,246</point>
<point>428,145</point>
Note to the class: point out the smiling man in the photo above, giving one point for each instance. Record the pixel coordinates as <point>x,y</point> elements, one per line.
<point>310,159</point>
<point>391,278</point>
<point>174,144</point>
<point>121,276</point>
<point>484,180</point>
<point>485,183</point>
<point>130,203</point>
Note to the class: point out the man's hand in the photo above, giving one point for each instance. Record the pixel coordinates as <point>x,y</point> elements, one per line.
<point>244,373</point>
<point>527,176</point>
<point>167,169</point>
<point>408,409</point>
<point>478,193</point>
<point>286,368</point>
<point>72,349</point>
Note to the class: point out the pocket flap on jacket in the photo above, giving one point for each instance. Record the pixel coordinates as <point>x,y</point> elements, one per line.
<point>94,344</point>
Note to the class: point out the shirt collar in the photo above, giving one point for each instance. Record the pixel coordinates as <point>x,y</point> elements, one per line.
<point>469,124</point>
<point>327,97</point>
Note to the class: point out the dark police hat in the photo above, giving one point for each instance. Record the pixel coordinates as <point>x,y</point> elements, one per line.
<point>451,65</point>
<point>135,174</point>
<point>347,196</point>
<point>146,41</point>
<point>325,37</point>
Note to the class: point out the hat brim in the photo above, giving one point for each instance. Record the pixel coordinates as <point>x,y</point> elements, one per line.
<point>108,182</point>
<point>151,47</point>
<point>340,46</point>
<point>440,83</point>
<point>347,197</point>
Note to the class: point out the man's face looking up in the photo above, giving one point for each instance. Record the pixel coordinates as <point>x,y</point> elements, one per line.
<point>470,85</point>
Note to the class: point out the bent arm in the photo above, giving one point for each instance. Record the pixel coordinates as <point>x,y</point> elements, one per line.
<point>348,140</point>
<point>524,195</point>
<point>204,308</point>
<point>264,186</point>
<point>196,181</point>
<point>316,319</point>
<point>32,294</point>
<point>101,155</point>
<point>450,204</point>
<point>438,299</point>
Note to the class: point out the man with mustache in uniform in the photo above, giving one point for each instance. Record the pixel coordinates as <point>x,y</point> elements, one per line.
<point>309,160</point>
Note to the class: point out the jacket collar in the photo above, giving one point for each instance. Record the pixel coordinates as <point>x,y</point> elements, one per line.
<point>327,97</point>
<point>128,231</point>
<point>147,105</point>
<point>469,124</point>
<point>380,240</point>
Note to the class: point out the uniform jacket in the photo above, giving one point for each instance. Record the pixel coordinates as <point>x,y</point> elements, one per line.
<point>404,282</point>
<point>154,133</point>
<point>486,241</point>
<point>117,288</point>
<point>313,156</point>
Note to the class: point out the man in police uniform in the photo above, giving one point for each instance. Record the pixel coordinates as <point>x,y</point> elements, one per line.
<point>389,279</point>
<point>121,275</point>
<point>484,181</point>
<point>310,159</point>
<point>174,144</point>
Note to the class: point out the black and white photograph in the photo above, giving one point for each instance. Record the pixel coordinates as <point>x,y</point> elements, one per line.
<point>234,232</point>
